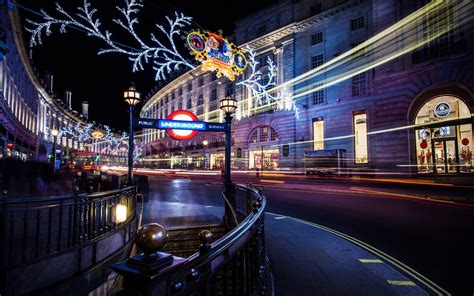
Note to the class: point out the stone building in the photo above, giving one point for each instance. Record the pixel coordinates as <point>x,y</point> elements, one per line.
<point>29,108</point>
<point>373,78</point>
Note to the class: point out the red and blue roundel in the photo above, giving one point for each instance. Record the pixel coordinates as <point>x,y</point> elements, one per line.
<point>182,135</point>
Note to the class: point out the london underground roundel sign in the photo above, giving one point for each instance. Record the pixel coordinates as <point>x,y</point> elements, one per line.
<point>180,134</point>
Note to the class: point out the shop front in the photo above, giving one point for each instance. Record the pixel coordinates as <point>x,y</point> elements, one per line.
<point>262,158</point>
<point>444,137</point>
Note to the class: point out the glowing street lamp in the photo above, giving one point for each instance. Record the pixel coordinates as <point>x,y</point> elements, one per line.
<point>132,98</point>
<point>228,105</point>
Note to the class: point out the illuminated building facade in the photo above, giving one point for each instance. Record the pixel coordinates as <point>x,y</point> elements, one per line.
<point>29,110</point>
<point>412,112</point>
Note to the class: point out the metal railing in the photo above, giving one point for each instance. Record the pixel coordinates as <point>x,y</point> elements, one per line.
<point>232,265</point>
<point>34,229</point>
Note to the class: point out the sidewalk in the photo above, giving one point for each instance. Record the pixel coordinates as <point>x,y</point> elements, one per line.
<point>304,260</point>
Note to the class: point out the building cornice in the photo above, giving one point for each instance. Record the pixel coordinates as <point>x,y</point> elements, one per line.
<point>300,26</point>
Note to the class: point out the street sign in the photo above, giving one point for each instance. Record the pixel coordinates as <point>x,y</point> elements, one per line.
<point>180,125</point>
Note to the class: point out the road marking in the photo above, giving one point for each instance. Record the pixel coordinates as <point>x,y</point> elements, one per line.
<point>401,283</point>
<point>272,181</point>
<point>209,206</point>
<point>398,264</point>
<point>370,260</point>
<point>280,217</point>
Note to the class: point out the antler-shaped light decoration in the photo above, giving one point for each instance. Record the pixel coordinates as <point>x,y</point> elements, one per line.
<point>259,85</point>
<point>165,58</point>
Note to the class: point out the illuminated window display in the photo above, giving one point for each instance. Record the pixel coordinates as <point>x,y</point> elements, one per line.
<point>318,135</point>
<point>443,149</point>
<point>261,142</point>
<point>361,153</point>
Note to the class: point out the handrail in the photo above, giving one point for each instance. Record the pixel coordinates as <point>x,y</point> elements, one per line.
<point>32,230</point>
<point>234,262</point>
<point>230,238</point>
<point>63,197</point>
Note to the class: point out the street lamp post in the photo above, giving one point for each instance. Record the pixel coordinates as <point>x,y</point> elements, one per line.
<point>228,105</point>
<point>132,97</point>
<point>55,133</point>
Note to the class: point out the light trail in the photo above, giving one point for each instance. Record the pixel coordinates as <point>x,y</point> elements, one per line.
<point>399,29</point>
<point>464,15</point>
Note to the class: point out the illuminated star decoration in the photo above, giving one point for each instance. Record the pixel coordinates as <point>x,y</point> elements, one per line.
<point>164,55</point>
<point>259,85</point>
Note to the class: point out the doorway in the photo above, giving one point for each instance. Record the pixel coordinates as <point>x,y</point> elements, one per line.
<point>445,156</point>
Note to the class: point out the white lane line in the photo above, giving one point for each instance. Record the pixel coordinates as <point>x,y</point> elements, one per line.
<point>398,264</point>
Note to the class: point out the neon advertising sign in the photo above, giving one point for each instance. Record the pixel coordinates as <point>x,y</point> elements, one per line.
<point>217,54</point>
<point>180,125</point>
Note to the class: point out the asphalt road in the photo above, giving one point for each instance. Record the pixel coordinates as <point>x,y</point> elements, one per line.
<point>435,239</point>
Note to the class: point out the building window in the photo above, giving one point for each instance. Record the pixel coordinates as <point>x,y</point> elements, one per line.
<point>433,26</point>
<point>188,104</point>
<point>263,134</point>
<point>190,86</point>
<point>180,91</point>
<point>318,95</point>
<point>172,96</point>
<point>166,100</point>
<point>315,9</point>
<point>213,76</point>
<point>359,87</point>
<point>357,23</point>
<point>229,89</point>
<point>360,139</point>
<point>201,81</point>
<point>180,106</point>
<point>213,94</point>
<point>318,135</point>
<point>316,38</point>
<point>253,137</point>
<point>200,100</point>
<point>273,135</point>
<point>317,61</point>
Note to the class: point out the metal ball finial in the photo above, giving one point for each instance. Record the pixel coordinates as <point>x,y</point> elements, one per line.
<point>205,236</point>
<point>150,238</point>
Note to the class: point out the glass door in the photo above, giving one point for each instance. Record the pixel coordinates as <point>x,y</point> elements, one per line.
<point>445,157</point>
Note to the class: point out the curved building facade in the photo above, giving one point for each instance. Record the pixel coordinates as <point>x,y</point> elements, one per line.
<point>29,110</point>
<point>411,113</point>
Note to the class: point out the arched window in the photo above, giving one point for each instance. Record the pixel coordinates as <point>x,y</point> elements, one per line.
<point>263,134</point>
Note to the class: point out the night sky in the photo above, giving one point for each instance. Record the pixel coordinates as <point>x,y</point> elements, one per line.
<point>72,57</point>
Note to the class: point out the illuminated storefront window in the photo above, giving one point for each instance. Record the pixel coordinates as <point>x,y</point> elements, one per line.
<point>444,149</point>
<point>318,135</point>
<point>262,152</point>
<point>361,153</point>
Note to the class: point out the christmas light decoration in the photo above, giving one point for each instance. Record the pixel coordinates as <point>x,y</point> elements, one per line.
<point>216,54</point>
<point>259,85</point>
<point>164,55</point>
